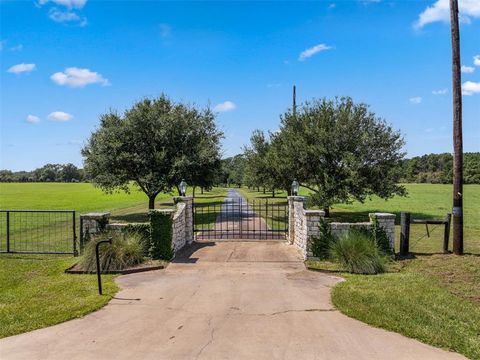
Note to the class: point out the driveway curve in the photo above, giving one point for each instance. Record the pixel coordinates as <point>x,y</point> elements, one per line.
<point>225,300</point>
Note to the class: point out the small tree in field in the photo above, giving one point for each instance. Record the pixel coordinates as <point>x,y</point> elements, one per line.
<point>154,144</point>
<point>340,150</point>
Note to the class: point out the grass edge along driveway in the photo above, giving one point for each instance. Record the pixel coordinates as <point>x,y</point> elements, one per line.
<point>35,292</point>
<point>434,299</point>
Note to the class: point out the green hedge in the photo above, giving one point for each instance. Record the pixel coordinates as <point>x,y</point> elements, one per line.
<point>160,235</point>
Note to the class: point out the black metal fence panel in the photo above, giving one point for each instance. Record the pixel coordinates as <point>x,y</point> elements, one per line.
<point>237,218</point>
<point>38,231</point>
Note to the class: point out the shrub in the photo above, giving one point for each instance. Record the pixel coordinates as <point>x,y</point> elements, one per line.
<point>358,253</point>
<point>125,251</point>
<point>160,236</point>
<point>380,237</point>
<point>320,245</point>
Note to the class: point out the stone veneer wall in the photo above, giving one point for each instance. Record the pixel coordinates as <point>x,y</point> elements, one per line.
<point>182,222</point>
<point>303,225</point>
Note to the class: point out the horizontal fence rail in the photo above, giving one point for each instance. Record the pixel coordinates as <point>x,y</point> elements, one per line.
<point>38,231</point>
<point>237,218</point>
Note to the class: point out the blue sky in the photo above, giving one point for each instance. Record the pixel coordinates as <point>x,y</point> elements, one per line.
<point>65,62</point>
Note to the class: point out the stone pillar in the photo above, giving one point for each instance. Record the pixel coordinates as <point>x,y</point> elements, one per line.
<point>297,224</point>
<point>188,200</point>
<point>294,202</point>
<point>387,222</point>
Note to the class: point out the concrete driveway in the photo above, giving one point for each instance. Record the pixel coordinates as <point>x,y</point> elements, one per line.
<point>226,300</point>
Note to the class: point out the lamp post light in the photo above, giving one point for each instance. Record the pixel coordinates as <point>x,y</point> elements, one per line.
<point>183,188</point>
<point>295,187</point>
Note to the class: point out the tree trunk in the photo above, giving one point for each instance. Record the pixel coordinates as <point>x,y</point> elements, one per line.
<point>273,193</point>
<point>264,189</point>
<point>457,210</point>
<point>201,190</point>
<point>327,211</point>
<point>151,201</point>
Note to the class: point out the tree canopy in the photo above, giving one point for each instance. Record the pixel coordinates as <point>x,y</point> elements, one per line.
<point>338,149</point>
<point>154,144</point>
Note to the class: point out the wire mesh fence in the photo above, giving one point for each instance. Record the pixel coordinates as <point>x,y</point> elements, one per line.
<point>38,231</point>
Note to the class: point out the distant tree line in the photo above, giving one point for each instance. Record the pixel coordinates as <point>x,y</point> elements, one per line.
<point>46,173</point>
<point>437,169</point>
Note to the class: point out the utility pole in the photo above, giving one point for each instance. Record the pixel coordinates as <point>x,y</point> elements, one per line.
<point>294,107</point>
<point>457,210</point>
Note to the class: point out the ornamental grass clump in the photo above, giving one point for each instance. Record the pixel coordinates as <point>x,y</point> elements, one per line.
<point>126,250</point>
<point>357,253</point>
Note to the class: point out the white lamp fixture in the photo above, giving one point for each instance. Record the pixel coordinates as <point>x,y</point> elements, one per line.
<point>295,187</point>
<point>183,187</point>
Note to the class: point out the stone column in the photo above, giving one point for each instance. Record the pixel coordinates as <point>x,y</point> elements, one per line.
<point>313,223</point>
<point>188,200</point>
<point>294,202</point>
<point>387,222</point>
<point>297,224</point>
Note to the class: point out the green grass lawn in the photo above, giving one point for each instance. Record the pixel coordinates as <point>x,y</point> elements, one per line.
<point>82,197</point>
<point>35,292</point>
<point>432,298</point>
<point>212,199</point>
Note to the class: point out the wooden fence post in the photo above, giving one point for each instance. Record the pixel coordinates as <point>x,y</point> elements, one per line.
<point>446,234</point>
<point>404,233</point>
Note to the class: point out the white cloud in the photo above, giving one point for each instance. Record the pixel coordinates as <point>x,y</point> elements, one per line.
<point>439,92</point>
<point>225,106</point>
<point>470,88</point>
<point>64,11</point>
<point>305,54</point>
<point>76,77</point>
<point>60,116</point>
<point>416,100</point>
<point>440,11</point>
<point>32,119</point>
<point>71,4</point>
<point>467,69</point>
<point>165,30</point>
<point>476,60</point>
<point>21,68</point>
<point>63,16</point>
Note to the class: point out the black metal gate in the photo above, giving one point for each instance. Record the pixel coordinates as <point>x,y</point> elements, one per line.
<point>239,219</point>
